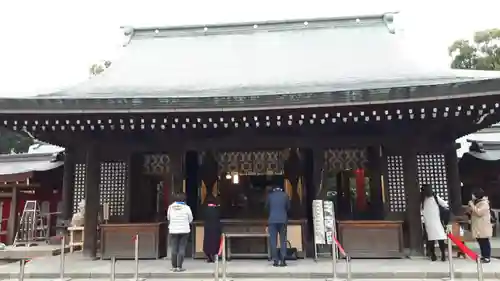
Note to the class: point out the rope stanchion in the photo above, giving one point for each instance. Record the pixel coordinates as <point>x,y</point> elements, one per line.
<point>461,246</point>
<point>347,260</point>
<point>480,275</point>
<point>451,267</point>
<point>334,260</point>
<point>136,257</point>
<point>471,254</point>
<point>62,259</point>
<point>22,264</point>
<point>217,268</point>
<point>113,268</point>
<point>224,258</point>
<point>348,268</point>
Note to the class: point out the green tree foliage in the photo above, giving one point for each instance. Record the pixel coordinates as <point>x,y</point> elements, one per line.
<point>483,53</point>
<point>12,142</point>
<point>98,68</point>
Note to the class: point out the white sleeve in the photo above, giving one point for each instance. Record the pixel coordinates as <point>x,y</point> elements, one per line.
<point>190,214</point>
<point>441,202</point>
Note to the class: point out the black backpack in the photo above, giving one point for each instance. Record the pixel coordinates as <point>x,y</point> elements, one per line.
<point>493,217</point>
<point>444,213</point>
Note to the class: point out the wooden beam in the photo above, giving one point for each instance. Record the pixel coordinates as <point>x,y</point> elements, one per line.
<point>92,179</point>
<point>413,196</point>
<point>13,217</point>
<point>453,179</point>
<point>68,184</point>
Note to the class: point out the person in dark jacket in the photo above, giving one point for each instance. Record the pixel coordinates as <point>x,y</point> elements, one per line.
<point>278,205</point>
<point>212,228</point>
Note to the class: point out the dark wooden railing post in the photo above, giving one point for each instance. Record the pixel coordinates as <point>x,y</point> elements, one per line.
<point>412,199</point>
<point>92,179</point>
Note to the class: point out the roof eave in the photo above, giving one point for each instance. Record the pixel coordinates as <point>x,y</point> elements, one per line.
<point>470,89</point>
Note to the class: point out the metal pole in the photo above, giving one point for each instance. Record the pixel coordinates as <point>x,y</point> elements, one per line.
<point>22,263</point>
<point>450,260</point>
<point>480,276</point>
<point>224,259</point>
<point>63,257</point>
<point>348,268</point>
<point>136,242</point>
<point>216,274</point>
<point>334,260</point>
<point>113,268</point>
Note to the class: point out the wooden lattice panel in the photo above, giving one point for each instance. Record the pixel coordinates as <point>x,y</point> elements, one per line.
<point>395,184</point>
<point>431,169</point>
<point>112,186</point>
<point>344,159</point>
<point>78,185</point>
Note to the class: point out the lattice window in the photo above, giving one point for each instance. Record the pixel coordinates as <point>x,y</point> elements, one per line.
<point>395,182</point>
<point>112,186</point>
<point>431,169</point>
<point>78,186</point>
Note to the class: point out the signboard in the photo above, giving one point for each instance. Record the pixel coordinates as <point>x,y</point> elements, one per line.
<point>318,222</point>
<point>329,221</point>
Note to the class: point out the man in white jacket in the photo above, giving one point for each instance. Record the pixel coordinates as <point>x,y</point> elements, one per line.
<point>179,218</point>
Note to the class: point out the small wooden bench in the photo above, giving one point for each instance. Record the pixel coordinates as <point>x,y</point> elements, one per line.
<point>75,238</point>
<point>231,236</point>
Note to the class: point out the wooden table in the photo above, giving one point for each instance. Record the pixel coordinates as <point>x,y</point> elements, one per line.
<point>372,239</point>
<point>231,236</point>
<point>295,234</point>
<point>117,240</point>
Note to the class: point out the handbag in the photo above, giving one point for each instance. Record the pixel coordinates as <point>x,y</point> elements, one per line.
<point>493,218</point>
<point>291,253</point>
<point>444,213</point>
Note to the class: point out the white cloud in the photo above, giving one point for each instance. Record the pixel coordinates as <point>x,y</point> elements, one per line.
<point>50,44</point>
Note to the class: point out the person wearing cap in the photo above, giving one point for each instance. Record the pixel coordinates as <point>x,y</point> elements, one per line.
<point>278,205</point>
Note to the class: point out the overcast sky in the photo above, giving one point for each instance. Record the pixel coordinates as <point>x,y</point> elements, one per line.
<point>50,44</point>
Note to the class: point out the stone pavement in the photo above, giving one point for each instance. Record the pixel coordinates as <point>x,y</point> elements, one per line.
<point>250,279</point>
<point>78,267</point>
<point>262,279</point>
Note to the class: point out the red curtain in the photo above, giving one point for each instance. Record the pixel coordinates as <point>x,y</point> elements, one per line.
<point>360,190</point>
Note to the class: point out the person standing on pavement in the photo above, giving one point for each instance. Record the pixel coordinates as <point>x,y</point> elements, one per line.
<point>433,226</point>
<point>481,226</point>
<point>212,229</point>
<point>179,218</point>
<point>278,205</point>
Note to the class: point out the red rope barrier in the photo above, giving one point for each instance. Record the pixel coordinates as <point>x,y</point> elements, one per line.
<point>221,246</point>
<point>341,249</point>
<point>471,254</point>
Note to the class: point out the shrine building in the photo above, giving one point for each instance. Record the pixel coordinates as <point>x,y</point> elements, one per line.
<point>327,108</point>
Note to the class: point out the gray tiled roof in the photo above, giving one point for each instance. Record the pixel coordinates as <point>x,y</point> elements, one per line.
<point>28,162</point>
<point>257,64</point>
<point>280,57</point>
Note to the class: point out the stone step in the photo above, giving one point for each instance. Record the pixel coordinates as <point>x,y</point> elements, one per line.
<point>262,275</point>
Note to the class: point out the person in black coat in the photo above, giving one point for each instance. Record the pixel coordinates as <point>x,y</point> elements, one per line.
<point>212,228</point>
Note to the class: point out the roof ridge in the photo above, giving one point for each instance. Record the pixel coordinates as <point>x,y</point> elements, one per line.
<point>275,25</point>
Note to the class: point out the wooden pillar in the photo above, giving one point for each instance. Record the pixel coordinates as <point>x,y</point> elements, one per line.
<point>412,187</point>
<point>13,220</point>
<point>68,185</point>
<point>376,193</point>
<point>176,171</point>
<point>132,167</point>
<point>318,171</point>
<point>92,206</point>
<point>453,178</point>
